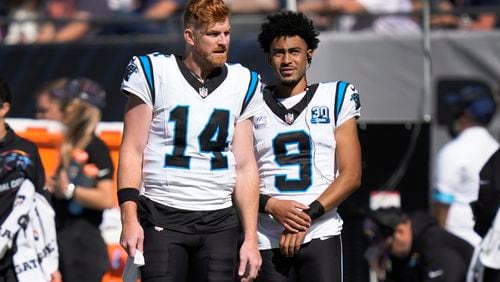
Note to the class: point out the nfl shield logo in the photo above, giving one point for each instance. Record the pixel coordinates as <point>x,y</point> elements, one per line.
<point>203,92</point>
<point>289,118</point>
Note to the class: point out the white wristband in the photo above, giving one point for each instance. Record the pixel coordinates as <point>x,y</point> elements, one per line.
<point>70,191</point>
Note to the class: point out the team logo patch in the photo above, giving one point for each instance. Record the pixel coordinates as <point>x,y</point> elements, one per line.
<point>260,122</point>
<point>289,118</point>
<point>355,99</point>
<point>131,68</point>
<point>14,160</point>
<point>320,114</point>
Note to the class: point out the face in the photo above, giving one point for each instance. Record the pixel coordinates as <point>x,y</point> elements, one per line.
<point>211,42</point>
<point>48,108</point>
<point>289,59</point>
<point>399,243</point>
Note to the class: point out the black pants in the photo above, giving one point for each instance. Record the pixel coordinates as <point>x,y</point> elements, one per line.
<point>172,256</point>
<point>7,273</point>
<point>83,255</point>
<point>317,261</point>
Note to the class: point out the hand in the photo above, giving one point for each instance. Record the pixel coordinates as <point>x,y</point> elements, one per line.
<point>61,183</point>
<point>289,214</point>
<point>50,184</point>
<point>132,236</point>
<point>290,243</point>
<point>56,276</point>
<point>250,261</point>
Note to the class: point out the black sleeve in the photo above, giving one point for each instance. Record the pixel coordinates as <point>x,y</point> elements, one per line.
<point>36,172</point>
<point>100,156</point>
<point>444,265</point>
<point>486,206</point>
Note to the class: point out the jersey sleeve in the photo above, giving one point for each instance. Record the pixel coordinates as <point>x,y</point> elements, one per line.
<point>445,177</point>
<point>136,79</point>
<point>253,100</point>
<point>347,105</point>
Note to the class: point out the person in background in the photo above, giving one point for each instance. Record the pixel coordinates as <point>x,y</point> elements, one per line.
<point>83,184</point>
<point>308,154</point>
<point>418,248</point>
<point>22,195</point>
<point>486,210</point>
<point>460,160</point>
<point>70,20</point>
<point>158,12</point>
<point>49,100</point>
<point>258,6</point>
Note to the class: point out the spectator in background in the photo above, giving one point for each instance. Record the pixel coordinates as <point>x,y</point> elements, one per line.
<point>460,160</point>
<point>419,249</point>
<point>70,20</point>
<point>446,17</point>
<point>156,11</point>
<point>22,28</point>
<point>255,6</point>
<point>83,185</point>
<point>49,100</point>
<point>22,194</point>
<point>486,211</point>
<point>362,14</point>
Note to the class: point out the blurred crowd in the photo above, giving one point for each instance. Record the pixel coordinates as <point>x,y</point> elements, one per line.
<point>57,21</point>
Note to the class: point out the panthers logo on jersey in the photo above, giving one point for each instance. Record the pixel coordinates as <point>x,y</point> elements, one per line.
<point>131,69</point>
<point>355,99</point>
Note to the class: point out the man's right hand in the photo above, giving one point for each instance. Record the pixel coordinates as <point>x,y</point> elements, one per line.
<point>132,235</point>
<point>290,214</point>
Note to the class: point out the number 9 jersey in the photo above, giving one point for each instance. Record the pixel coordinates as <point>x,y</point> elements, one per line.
<point>187,162</point>
<point>295,151</point>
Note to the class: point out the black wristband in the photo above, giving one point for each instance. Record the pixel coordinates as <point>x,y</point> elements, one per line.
<point>128,194</point>
<point>262,202</point>
<point>315,210</point>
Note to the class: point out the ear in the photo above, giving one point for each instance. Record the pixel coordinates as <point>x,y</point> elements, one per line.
<point>189,36</point>
<point>309,55</point>
<point>4,109</point>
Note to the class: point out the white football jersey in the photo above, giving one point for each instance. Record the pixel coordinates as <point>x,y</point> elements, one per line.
<point>295,150</point>
<point>188,163</point>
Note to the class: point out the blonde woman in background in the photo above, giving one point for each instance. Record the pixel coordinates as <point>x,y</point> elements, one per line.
<point>83,185</point>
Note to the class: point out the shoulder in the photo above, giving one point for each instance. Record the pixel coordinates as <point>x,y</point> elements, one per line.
<point>23,144</point>
<point>97,144</point>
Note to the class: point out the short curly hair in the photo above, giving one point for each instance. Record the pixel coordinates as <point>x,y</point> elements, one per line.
<point>287,23</point>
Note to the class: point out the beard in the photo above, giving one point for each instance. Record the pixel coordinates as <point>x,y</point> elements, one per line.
<point>217,60</point>
<point>214,58</point>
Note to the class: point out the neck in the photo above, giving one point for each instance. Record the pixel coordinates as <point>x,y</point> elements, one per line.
<point>199,69</point>
<point>284,90</point>
<point>3,130</point>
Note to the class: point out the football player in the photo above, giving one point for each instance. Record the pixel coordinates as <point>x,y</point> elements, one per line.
<point>308,155</point>
<point>188,138</point>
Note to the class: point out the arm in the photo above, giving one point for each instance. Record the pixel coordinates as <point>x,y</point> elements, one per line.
<point>73,30</point>
<point>440,212</point>
<point>349,164</point>
<point>246,195</point>
<point>137,121</point>
<point>161,10</point>
<point>99,198</point>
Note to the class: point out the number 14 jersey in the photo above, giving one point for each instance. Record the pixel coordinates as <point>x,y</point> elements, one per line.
<point>188,163</point>
<point>295,151</point>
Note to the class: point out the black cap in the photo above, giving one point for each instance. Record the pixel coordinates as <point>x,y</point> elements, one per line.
<point>83,88</point>
<point>382,222</point>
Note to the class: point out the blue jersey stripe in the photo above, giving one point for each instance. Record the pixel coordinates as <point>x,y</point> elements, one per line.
<point>339,98</point>
<point>251,90</point>
<point>147,66</point>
